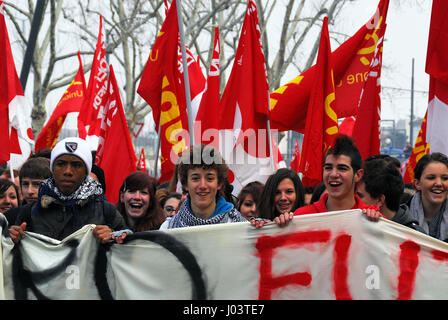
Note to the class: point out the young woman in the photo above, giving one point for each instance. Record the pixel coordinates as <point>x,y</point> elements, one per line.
<point>170,203</point>
<point>283,193</point>
<point>429,205</point>
<point>9,195</point>
<point>137,203</point>
<point>248,198</point>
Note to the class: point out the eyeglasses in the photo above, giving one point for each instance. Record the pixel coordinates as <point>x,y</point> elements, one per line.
<point>169,209</point>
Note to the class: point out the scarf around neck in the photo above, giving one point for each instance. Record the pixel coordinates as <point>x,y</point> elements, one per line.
<point>224,212</point>
<point>441,219</point>
<point>49,192</point>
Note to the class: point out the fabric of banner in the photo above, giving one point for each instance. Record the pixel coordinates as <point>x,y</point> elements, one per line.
<point>334,255</point>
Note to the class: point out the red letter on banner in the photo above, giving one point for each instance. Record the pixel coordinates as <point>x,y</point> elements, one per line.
<point>266,245</point>
<point>408,266</point>
<point>340,271</point>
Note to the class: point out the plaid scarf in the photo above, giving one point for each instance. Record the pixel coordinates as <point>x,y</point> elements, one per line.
<point>186,218</point>
<point>49,193</point>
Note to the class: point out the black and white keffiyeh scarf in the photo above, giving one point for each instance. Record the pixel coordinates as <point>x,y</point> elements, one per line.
<point>185,218</point>
<point>49,193</point>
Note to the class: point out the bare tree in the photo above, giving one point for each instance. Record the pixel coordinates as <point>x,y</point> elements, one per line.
<point>131,28</point>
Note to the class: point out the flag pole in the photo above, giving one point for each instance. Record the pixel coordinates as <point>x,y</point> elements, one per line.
<point>156,153</point>
<point>268,124</point>
<point>185,68</point>
<point>11,171</point>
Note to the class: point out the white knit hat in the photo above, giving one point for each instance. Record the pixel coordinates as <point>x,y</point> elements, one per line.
<point>74,146</point>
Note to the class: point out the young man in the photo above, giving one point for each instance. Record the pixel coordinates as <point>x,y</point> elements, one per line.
<point>382,185</point>
<point>202,172</point>
<point>342,170</point>
<point>31,174</point>
<point>68,200</point>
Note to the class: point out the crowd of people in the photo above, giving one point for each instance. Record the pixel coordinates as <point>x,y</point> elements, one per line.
<point>59,191</point>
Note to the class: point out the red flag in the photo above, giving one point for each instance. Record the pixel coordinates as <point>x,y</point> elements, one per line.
<point>195,75</point>
<point>294,165</point>
<point>366,130</point>
<point>115,145</point>
<point>247,90</point>
<point>161,86</point>
<point>351,62</point>
<point>346,126</point>
<point>437,68</point>
<point>208,112</point>
<point>244,108</point>
<point>89,118</point>
<point>279,162</point>
<point>321,123</point>
<point>421,147</point>
<point>15,111</point>
<point>71,101</point>
<point>142,161</point>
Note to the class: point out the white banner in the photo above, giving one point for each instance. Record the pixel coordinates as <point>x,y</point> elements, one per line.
<point>335,255</point>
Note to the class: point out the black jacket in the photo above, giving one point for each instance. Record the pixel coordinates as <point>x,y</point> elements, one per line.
<point>57,220</point>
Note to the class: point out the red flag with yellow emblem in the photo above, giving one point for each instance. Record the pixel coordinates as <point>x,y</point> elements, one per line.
<point>366,130</point>
<point>162,87</point>
<point>71,101</point>
<point>321,122</point>
<point>421,147</point>
<point>351,61</point>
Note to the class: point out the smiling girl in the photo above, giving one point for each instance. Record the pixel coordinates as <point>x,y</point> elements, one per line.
<point>429,205</point>
<point>138,205</point>
<point>283,193</point>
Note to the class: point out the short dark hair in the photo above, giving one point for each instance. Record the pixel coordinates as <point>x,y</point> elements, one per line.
<point>427,159</point>
<point>317,193</point>
<point>35,168</point>
<point>382,178</point>
<point>175,195</point>
<point>344,145</point>
<point>386,158</point>
<point>99,172</point>
<point>266,208</point>
<point>254,188</point>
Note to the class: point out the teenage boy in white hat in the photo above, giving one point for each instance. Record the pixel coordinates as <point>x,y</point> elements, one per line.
<point>68,200</point>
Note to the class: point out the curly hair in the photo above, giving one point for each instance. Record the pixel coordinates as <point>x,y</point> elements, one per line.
<point>205,157</point>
